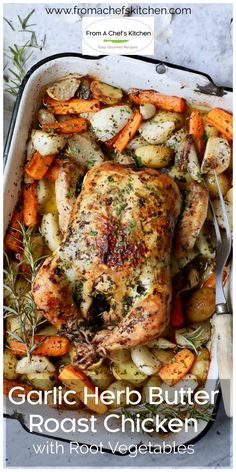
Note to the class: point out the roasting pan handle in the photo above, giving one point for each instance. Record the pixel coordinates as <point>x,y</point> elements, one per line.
<point>203,82</point>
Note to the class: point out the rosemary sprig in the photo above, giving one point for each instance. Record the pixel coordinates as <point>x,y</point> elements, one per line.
<point>9,23</point>
<point>145,410</point>
<point>22,305</point>
<point>24,21</point>
<point>192,339</point>
<point>28,253</point>
<point>18,54</point>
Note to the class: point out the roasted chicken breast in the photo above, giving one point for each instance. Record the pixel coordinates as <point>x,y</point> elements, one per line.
<point>112,271</point>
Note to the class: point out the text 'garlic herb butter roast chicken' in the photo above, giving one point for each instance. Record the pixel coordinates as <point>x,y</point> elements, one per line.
<point>111,274</point>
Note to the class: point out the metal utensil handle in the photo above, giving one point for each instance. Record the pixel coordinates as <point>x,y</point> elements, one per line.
<point>223,327</point>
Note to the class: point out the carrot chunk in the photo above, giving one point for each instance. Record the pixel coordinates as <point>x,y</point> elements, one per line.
<point>76,380</point>
<point>221,120</point>
<point>177,368</point>
<point>164,102</point>
<point>13,238</point>
<point>30,204</point>
<point>75,125</point>
<point>196,124</point>
<point>49,346</point>
<point>39,165</point>
<point>72,106</point>
<point>128,132</point>
<point>53,170</point>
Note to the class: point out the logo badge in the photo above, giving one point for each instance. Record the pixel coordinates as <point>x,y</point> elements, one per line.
<point>118,35</point>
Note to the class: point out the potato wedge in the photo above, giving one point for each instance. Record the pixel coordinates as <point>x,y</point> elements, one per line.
<point>37,364</point>
<point>224,183</point>
<point>106,93</point>
<point>100,376</point>
<point>64,89</point>
<point>217,156</point>
<point>136,142</point>
<point>50,231</point>
<point>108,122</point>
<point>9,365</point>
<point>200,306</point>
<point>219,214</point>
<point>42,380</point>
<point>120,356</point>
<point>156,156</point>
<point>201,365</point>
<point>152,382</point>
<point>46,196</point>
<point>210,131</point>
<point>157,130</point>
<point>45,116</point>
<point>84,150</point>
<point>144,360</point>
<point>47,143</point>
<point>118,388</point>
<point>162,355</point>
<point>173,371</point>
<point>129,372</point>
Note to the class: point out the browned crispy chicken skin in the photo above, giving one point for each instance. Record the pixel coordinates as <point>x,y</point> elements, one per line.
<point>111,274</point>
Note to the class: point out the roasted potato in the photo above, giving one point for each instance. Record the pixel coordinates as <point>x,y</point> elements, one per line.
<point>64,89</point>
<point>153,381</point>
<point>108,122</point>
<point>201,365</point>
<point>162,355</point>
<point>120,356</point>
<point>200,305</point>
<point>42,380</point>
<point>46,196</point>
<point>224,183</point>
<point>157,156</point>
<point>219,213</point>
<point>37,364</point>
<point>100,376</point>
<point>210,131</point>
<point>106,93</point>
<point>50,231</point>
<point>47,143</point>
<point>144,360</point>
<point>116,387</point>
<point>217,156</point>
<point>129,372</point>
<point>9,365</point>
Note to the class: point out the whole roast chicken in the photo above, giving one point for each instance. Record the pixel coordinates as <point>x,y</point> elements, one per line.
<point>108,286</point>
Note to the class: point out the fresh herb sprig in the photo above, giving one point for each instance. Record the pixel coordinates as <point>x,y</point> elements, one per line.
<point>20,55</point>
<point>145,410</point>
<point>22,305</point>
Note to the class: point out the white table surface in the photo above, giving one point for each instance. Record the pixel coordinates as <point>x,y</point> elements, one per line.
<point>201,41</point>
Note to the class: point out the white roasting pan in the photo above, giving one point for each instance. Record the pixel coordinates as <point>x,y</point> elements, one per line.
<point>125,72</point>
